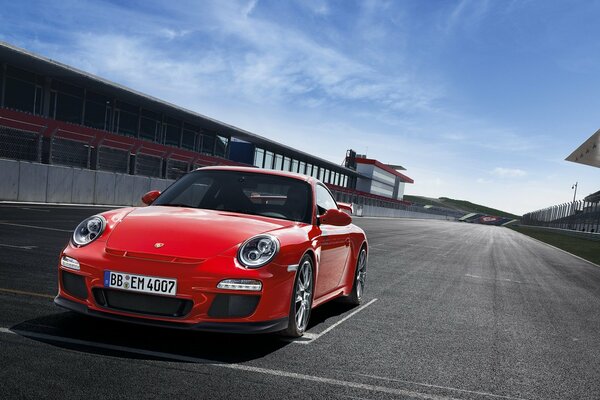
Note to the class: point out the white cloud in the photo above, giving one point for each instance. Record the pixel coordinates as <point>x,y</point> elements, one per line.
<point>508,172</point>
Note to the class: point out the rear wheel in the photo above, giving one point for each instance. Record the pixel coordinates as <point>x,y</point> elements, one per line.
<point>301,303</point>
<point>360,276</point>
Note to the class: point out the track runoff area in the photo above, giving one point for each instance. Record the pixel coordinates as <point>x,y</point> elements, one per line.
<point>452,311</point>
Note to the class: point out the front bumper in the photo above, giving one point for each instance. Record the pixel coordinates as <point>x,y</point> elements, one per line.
<point>225,327</point>
<point>198,304</point>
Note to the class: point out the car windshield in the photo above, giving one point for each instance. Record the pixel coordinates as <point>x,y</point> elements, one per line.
<point>242,192</point>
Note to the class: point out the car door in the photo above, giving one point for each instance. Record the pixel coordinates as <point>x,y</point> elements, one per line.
<point>335,246</point>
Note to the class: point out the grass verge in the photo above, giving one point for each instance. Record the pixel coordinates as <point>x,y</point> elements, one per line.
<point>584,248</point>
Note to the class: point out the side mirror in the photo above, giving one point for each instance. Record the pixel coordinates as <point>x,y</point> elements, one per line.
<point>335,217</point>
<point>149,197</point>
<point>346,207</point>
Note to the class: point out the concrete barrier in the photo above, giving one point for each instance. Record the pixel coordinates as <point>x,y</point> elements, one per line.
<point>33,181</point>
<point>158,184</point>
<point>374,211</point>
<point>141,186</point>
<point>124,190</point>
<point>60,184</point>
<point>84,182</point>
<point>26,181</point>
<point>104,192</point>
<point>9,179</point>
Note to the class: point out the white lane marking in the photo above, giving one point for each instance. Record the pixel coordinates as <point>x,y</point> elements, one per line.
<point>498,396</point>
<point>312,336</point>
<point>494,279</point>
<point>18,247</point>
<point>337,382</point>
<point>37,227</point>
<point>5,203</point>
<point>237,367</point>
<point>23,292</point>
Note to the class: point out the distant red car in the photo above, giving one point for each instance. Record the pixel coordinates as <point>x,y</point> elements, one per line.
<point>229,249</point>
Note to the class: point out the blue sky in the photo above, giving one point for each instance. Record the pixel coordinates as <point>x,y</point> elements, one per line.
<point>479,100</point>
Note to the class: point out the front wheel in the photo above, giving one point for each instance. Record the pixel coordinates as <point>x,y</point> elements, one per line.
<point>360,276</point>
<point>301,303</point>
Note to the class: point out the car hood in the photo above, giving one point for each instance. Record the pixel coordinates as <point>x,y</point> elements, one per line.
<point>185,232</point>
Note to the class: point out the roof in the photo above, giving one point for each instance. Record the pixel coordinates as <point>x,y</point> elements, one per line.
<point>588,153</point>
<point>44,66</point>
<point>385,167</point>
<point>593,198</point>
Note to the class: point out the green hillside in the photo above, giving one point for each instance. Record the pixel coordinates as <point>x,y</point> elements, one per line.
<point>461,205</point>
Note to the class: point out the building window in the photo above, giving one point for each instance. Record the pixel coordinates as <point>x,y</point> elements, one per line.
<point>208,144</point>
<point>259,157</point>
<point>286,163</point>
<point>172,131</point>
<point>321,174</point>
<point>126,119</point>
<point>189,137</point>
<point>382,189</point>
<point>268,160</point>
<point>315,172</point>
<point>20,90</point>
<point>97,111</point>
<point>384,176</point>
<point>150,126</point>
<point>309,169</point>
<point>294,165</point>
<point>39,100</point>
<point>278,162</point>
<point>221,147</point>
<point>302,169</point>
<point>68,102</point>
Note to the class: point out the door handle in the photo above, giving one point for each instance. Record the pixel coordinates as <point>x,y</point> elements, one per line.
<point>347,242</point>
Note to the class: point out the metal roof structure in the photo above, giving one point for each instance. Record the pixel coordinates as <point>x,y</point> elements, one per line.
<point>385,167</point>
<point>588,153</point>
<point>48,67</point>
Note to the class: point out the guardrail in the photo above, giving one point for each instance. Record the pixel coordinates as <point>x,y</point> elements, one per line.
<point>579,215</point>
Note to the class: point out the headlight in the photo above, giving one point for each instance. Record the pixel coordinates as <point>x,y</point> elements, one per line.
<point>87,231</point>
<point>258,251</point>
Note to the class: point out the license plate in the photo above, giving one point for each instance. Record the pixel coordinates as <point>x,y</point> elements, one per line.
<point>140,283</point>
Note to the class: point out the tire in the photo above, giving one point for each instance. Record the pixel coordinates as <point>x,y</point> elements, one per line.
<point>302,297</point>
<point>358,288</point>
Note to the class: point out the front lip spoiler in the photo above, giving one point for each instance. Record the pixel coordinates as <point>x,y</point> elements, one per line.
<point>224,327</point>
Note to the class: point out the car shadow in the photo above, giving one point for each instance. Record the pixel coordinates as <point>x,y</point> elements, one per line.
<point>321,314</point>
<point>107,337</point>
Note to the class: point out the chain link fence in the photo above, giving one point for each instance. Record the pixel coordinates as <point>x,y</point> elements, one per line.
<point>582,216</point>
<point>19,144</point>
<point>176,169</point>
<point>113,159</point>
<point>72,153</point>
<point>148,165</point>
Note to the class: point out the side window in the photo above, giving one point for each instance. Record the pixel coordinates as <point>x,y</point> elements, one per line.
<point>324,200</point>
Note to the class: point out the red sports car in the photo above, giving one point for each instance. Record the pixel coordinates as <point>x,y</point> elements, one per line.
<point>231,249</point>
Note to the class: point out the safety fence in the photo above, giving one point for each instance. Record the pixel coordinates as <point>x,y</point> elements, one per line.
<point>79,147</point>
<point>579,215</point>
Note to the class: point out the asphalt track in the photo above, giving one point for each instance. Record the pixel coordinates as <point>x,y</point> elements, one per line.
<point>461,312</point>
